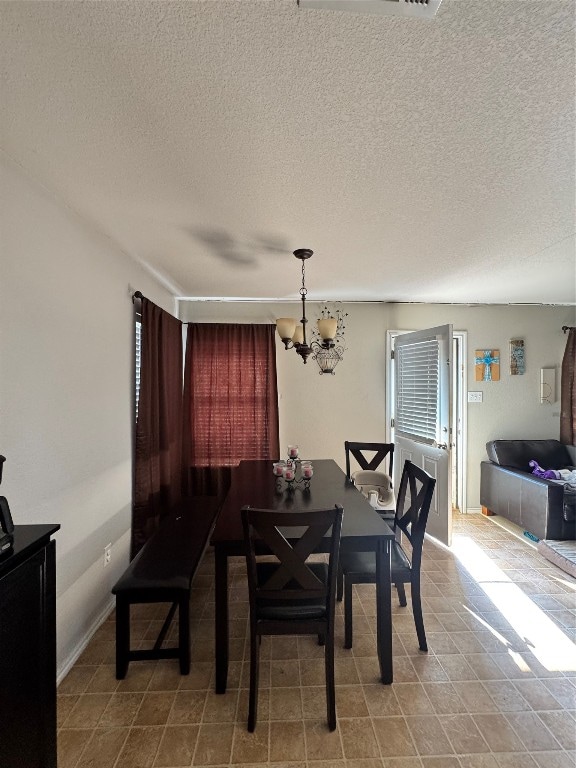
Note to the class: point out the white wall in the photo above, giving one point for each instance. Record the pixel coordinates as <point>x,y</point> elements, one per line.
<point>66,356</point>
<point>320,412</point>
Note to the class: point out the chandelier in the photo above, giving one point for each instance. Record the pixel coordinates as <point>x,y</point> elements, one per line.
<point>324,348</point>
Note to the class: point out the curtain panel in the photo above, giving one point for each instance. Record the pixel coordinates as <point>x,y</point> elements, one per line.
<point>158,439</point>
<point>568,391</point>
<point>230,401</point>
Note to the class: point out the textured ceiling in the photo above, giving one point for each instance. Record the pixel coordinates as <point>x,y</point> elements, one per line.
<point>421,160</point>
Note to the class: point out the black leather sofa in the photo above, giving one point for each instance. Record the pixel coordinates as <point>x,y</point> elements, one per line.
<point>544,508</point>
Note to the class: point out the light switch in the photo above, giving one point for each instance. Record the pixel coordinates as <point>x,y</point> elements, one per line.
<point>475,397</point>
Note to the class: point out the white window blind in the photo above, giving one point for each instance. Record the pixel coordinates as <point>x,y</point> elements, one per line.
<point>417,371</point>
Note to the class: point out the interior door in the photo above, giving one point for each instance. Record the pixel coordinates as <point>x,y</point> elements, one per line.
<point>423,415</point>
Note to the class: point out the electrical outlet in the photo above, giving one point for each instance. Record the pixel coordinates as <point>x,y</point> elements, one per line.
<point>107,554</point>
<point>474,397</point>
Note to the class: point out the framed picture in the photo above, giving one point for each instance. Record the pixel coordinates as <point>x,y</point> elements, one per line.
<point>517,359</point>
<point>487,364</point>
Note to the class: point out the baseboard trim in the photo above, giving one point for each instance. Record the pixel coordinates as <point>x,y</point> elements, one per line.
<point>474,510</point>
<point>75,654</point>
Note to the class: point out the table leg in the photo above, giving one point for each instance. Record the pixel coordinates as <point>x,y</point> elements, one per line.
<point>384,611</point>
<point>221,621</point>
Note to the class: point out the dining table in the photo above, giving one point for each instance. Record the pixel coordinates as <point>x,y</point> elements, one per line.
<point>253,483</point>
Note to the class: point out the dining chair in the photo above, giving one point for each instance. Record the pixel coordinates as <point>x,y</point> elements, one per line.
<point>291,595</point>
<point>411,516</point>
<point>373,474</point>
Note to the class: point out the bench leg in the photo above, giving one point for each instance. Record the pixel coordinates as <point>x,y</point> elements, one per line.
<point>122,637</point>
<point>184,634</point>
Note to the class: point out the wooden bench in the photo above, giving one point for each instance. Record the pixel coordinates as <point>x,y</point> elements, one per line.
<point>162,572</point>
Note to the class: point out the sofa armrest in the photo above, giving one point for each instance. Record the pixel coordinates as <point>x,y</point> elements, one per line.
<point>533,503</point>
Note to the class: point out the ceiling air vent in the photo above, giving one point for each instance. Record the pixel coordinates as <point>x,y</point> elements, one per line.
<point>420,9</point>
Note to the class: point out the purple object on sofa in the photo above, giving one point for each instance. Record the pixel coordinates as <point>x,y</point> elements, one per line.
<point>542,507</point>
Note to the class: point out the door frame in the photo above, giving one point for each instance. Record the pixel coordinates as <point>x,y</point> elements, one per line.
<point>459,386</point>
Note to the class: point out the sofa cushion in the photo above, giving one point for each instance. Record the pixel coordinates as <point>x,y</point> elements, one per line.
<point>550,454</point>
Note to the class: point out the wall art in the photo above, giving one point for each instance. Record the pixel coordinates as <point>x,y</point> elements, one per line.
<point>487,364</point>
<point>517,359</point>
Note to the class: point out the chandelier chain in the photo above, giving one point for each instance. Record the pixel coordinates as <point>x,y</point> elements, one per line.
<point>303,290</point>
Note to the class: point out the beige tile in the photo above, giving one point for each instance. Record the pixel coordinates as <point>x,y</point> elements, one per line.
<point>177,746</point>
<point>350,701</point>
<point>478,761</point>
<point>515,760</point>
<point>532,734</point>
<point>475,697</point>
<point>188,707</point>
<point>166,677</point>
<point>88,710</point>
<point>440,762</point>
<point>103,680</point>
<point>65,704</point>
<point>506,696</point>
<point>250,747</point>
<point>221,708</point>
<point>562,726</point>
<point>321,744</point>
<point>412,698</point>
<point>463,734</point>
<point>314,702</point>
<point>498,733</point>
<point>77,680</point>
<point>199,676</point>
<point>563,691</point>
<point>444,699</point>
<point>140,747</point>
<point>358,738</point>
<point>286,703</point>
<point>287,741</point>
<point>121,709</point>
<point>345,672</point>
<point>555,759</point>
<point>537,695</point>
<point>286,673</point>
<point>393,737</point>
<point>71,743</point>
<point>428,735</point>
<point>381,700</point>
<point>138,677</point>
<point>155,708</point>
<point>214,744</point>
<point>103,748</point>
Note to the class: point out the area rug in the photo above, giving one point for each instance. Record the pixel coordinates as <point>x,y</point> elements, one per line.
<point>561,553</point>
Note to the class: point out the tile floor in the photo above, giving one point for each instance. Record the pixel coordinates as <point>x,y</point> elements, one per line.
<point>496,690</point>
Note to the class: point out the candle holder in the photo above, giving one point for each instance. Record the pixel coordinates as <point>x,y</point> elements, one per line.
<point>292,472</point>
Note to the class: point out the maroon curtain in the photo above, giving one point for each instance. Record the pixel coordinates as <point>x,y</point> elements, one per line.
<point>230,401</point>
<point>158,445</point>
<point>568,392</point>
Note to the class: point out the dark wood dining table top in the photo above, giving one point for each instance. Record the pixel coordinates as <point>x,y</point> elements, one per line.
<point>254,484</point>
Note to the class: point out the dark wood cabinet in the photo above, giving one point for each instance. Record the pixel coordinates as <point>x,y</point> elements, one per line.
<point>28,649</point>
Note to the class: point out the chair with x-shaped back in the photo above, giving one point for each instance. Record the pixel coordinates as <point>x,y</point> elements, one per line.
<point>411,516</point>
<point>375,473</point>
<point>291,595</point>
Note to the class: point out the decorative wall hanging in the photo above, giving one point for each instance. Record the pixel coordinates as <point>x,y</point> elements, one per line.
<point>517,360</point>
<point>487,364</point>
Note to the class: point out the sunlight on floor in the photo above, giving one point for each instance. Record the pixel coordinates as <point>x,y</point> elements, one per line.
<point>544,639</point>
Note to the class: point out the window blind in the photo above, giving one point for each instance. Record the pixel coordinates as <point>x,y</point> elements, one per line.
<point>417,372</point>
